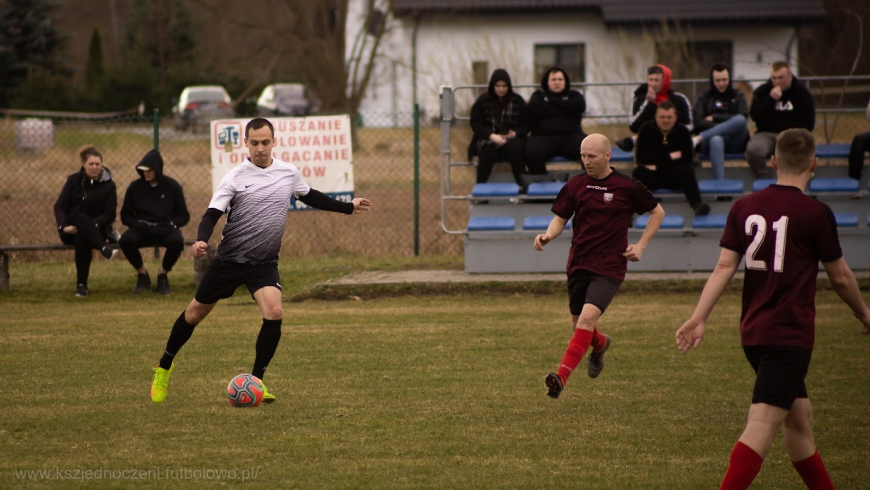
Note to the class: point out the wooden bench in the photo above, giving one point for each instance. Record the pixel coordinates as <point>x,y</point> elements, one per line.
<point>200,265</point>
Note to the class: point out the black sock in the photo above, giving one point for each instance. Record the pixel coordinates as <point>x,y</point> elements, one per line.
<point>181,332</point>
<point>267,343</point>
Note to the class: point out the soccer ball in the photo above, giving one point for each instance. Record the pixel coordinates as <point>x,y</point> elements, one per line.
<point>245,390</point>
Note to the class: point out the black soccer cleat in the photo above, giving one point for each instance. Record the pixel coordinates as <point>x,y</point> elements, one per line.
<point>163,284</point>
<point>554,383</point>
<point>81,290</point>
<point>143,283</point>
<point>596,360</point>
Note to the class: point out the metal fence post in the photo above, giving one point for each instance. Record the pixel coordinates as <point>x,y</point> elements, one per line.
<point>416,179</point>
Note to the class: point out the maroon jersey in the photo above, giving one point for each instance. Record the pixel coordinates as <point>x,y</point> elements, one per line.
<point>602,211</point>
<point>783,235</point>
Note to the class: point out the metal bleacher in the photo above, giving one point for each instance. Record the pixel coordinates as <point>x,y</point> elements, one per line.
<point>502,223</point>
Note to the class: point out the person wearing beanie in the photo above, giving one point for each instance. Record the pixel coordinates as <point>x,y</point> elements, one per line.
<point>154,210</point>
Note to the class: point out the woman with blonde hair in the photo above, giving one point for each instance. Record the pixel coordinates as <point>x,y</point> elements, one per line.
<point>85,211</point>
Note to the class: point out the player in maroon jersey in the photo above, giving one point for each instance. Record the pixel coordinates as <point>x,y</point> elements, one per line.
<point>784,235</point>
<point>602,202</point>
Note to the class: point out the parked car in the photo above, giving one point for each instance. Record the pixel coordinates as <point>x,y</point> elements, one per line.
<point>199,104</point>
<point>286,99</point>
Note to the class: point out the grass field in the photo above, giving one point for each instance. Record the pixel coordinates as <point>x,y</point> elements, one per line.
<point>412,391</point>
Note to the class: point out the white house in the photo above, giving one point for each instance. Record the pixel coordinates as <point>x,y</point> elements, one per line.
<point>459,42</point>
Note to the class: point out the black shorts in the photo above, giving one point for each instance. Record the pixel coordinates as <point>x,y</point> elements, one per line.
<point>779,373</point>
<point>223,278</point>
<point>586,287</point>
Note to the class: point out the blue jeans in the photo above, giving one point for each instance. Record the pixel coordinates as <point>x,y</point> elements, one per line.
<point>727,137</point>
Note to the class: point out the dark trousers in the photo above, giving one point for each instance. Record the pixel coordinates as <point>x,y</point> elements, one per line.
<point>860,144</point>
<point>88,237</point>
<point>682,177</point>
<point>134,238</point>
<point>512,151</point>
<point>540,149</point>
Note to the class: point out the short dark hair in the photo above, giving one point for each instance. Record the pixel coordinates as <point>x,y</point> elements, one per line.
<point>721,67</point>
<point>666,105</point>
<point>795,150</point>
<point>779,65</point>
<point>655,69</point>
<point>257,123</point>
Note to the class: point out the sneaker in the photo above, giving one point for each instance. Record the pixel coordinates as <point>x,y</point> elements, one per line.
<point>143,283</point>
<point>555,384</point>
<point>109,252</point>
<point>596,360</point>
<point>625,144</point>
<point>81,290</point>
<point>160,385</point>
<point>267,397</point>
<point>112,234</point>
<point>163,284</point>
<point>702,209</point>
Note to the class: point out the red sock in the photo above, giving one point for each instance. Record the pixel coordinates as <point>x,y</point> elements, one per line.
<point>598,339</point>
<point>743,467</point>
<point>813,472</point>
<point>577,348</point>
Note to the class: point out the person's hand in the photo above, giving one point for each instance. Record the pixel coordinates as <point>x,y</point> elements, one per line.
<point>690,335</point>
<point>70,230</point>
<point>542,240</point>
<point>651,167</point>
<point>361,204</point>
<point>633,252</point>
<point>199,247</point>
<point>510,134</point>
<point>675,155</point>
<point>650,95</point>
<point>865,319</point>
<point>497,139</point>
<point>708,118</point>
<point>776,93</point>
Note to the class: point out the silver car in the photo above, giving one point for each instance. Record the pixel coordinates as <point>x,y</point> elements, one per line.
<point>286,99</point>
<point>199,104</point>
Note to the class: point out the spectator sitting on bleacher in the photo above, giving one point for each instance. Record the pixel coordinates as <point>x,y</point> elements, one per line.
<point>780,103</point>
<point>860,144</point>
<point>499,122</point>
<point>555,116</point>
<point>154,209</point>
<point>85,211</point>
<point>720,120</point>
<point>664,157</point>
<point>647,96</point>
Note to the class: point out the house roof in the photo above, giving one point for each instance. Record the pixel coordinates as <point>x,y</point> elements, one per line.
<point>635,11</point>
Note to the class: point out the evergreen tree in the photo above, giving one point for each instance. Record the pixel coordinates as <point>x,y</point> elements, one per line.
<point>96,69</point>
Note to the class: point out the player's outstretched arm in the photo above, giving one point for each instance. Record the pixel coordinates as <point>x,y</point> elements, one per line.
<point>847,288</point>
<point>361,204</point>
<point>691,333</point>
<point>319,200</point>
<point>557,225</point>
<point>634,252</point>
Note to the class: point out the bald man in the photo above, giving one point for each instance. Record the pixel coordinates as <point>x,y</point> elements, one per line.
<point>601,203</point>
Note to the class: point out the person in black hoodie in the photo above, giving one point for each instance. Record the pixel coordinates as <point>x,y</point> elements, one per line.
<point>555,115</point>
<point>780,103</point>
<point>85,211</point>
<point>647,96</point>
<point>498,119</point>
<point>154,209</point>
<point>720,120</point>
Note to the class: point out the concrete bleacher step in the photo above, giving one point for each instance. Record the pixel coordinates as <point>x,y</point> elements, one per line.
<point>719,187</point>
<point>495,189</point>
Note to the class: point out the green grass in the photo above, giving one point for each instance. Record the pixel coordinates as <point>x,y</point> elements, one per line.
<point>436,391</point>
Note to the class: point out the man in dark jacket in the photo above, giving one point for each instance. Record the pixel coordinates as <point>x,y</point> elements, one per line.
<point>779,104</point>
<point>648,96</point>
<point>720,120</point>
<point>154,209</point>
<point>664,157</point>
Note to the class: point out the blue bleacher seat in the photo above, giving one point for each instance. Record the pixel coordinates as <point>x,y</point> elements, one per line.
<point>618,155</point>
<point>709,221</point>
<point>725,186</point>
<point>760,184</point>
<point>846,220</point>
<point>838,184</point>
<point>671,221</point>
<point>496,189</point>
<point>728,156</point>
<point>544,188</point>
<point>540,223</point>
<point>667,191</point>
<point>832,150</point>
<point>491,223</point>
<point>558,159</point>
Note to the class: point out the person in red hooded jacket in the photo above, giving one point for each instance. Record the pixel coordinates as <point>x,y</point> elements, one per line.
<point>647,97</point>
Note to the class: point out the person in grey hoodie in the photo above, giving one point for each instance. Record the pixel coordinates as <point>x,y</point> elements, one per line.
<point>720,120</point>
<point>154,209</point>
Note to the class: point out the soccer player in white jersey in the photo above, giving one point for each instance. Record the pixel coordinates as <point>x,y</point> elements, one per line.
<point>256,195</point>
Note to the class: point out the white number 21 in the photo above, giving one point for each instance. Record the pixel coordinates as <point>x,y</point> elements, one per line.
<point>757,225</point>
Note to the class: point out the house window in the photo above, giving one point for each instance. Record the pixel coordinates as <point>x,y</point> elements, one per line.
<point>569,57</point>
<point>693,60</point>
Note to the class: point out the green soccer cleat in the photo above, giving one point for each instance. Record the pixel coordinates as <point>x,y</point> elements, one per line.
<point>267,397</point>
<point>160,385</point>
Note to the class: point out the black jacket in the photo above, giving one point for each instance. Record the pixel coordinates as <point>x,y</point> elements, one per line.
<point>721,105</point>
<point>643,112</point>
<point>556,113</point>
<point>96,198</point>
<point>652,150</point>
<point>160,208</point>
<point>491,114</point>
<point>795,109</point>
